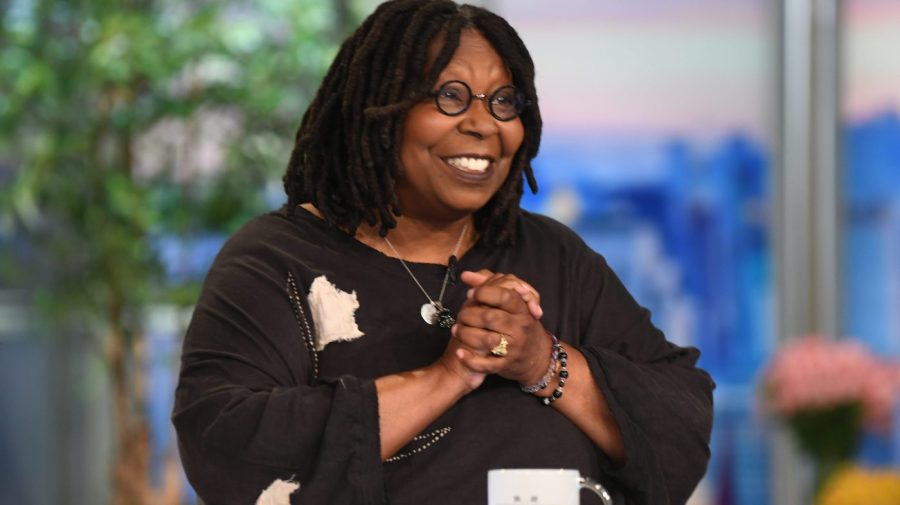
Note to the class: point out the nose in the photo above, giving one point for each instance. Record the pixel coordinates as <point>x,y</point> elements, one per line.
<point>478,121</point>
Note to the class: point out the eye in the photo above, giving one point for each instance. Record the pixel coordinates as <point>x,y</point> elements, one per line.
<point>505,99</point>
<point>452,93</point>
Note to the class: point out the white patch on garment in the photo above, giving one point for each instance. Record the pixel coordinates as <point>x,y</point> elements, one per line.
<point>332,313</point>
<point>278,493</point>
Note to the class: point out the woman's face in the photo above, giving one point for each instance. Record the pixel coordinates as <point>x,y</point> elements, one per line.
<point>454,164</point>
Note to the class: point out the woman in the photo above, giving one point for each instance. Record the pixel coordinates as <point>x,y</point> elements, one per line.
<point>401,326</point>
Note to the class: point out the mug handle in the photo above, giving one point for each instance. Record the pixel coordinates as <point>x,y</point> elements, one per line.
<point>596,488</point>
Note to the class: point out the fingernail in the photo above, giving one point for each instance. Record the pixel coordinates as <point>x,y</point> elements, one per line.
<point>469,293</point>
<point>459,354</point>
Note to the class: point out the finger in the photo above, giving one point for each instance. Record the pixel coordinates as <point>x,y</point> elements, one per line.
<point>519,285</point>
<point>471,292</point>
<point>525,290</point>
<point>524,287</point>
<point>469,349</point>
<point>480,364</point>
<point>480,339</point>
<point>479,315</point>
<point>500,297</point>
<point>531,297</point>
<point>474,279</point>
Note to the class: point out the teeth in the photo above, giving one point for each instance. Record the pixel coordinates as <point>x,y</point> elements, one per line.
<point>471,164</point>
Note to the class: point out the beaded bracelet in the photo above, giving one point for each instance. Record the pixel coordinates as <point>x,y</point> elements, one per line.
<point>563,375</point>
<point>554,353</point>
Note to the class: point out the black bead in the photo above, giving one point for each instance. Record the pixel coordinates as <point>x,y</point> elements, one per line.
<point>445,319</point>
<point>452,274</point>
<point>564,373</point>
<point>557,393</point>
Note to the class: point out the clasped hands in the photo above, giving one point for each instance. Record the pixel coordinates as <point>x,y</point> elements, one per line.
<point>500,306</point>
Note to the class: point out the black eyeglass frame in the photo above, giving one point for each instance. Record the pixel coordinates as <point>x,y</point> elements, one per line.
<point>521,102</point>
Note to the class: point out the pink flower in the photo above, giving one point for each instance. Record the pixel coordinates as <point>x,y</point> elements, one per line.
<point>879,394</point>
<point>813,373</point>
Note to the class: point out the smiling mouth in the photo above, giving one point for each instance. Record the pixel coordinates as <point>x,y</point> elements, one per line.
<point>472,164</point>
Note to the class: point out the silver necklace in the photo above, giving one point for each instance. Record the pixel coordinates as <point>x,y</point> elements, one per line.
<point>433,312</point>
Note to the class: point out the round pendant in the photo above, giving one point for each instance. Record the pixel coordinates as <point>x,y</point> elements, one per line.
<point>429,313</point>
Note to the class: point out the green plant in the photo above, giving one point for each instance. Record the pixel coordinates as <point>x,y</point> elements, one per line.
<point>125,121</point>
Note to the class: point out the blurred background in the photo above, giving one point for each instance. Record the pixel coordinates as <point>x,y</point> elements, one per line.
<point>736,161</point>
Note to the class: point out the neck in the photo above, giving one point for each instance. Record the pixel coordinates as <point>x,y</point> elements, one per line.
<point>423,241</point>
<point>418,240</point>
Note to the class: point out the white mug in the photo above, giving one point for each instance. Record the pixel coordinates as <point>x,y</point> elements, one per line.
<point>540,486</point>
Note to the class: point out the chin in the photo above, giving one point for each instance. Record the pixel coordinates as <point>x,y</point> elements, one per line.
<point>469,206</point>
<point>476,199</point>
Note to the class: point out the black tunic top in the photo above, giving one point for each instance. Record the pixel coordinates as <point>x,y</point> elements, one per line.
<point>265,392</point>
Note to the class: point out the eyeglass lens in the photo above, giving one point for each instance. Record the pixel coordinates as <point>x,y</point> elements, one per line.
<point>454,97</point>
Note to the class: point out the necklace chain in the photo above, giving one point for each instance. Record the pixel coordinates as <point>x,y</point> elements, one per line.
<point>436,304</point>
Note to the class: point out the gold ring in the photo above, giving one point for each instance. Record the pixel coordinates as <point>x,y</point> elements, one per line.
<point>501,350</point>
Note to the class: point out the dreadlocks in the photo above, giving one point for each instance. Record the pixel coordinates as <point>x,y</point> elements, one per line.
<point>346,156</point>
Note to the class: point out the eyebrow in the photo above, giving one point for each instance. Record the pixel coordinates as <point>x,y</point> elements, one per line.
<point>440,83</point>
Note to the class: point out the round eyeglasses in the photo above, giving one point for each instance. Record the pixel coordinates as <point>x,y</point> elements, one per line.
<point>454,97</point>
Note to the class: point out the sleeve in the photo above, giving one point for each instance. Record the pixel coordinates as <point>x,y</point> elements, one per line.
<point>248,409</point>
<point>660,399</point>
